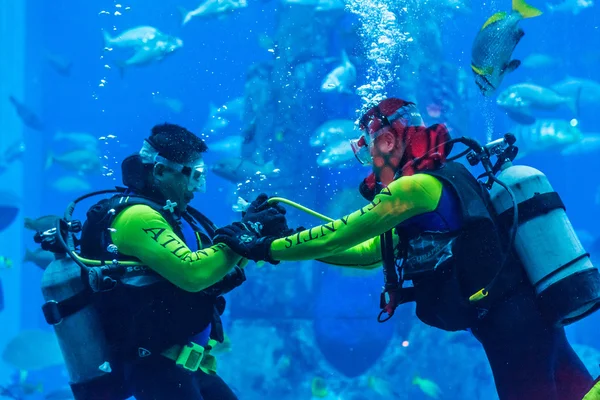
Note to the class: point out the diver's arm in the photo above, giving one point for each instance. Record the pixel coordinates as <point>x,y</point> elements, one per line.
<point>404,198</point>
<point>141,232</point>
<point>365,255</point>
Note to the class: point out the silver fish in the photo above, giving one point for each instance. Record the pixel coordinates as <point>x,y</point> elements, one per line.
<point>522,99</point>
<point>333,131</point>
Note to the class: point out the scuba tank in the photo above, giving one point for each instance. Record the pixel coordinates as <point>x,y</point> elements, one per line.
<point>565,281</point>
<point>69,287</point>
<point>539,232</point>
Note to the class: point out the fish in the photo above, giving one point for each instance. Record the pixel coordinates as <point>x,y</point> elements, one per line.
<point>588,91</point>
<point>589,144</point>
<point>494,44</point>
<point>33,350</point>
<point>135,37</point>
<point>212,8</point>
<point>546,135</point>
<point>39,257</point>
<point>5,263</point>
<point>233,108</point>
<point>333,131</point>
<point>81,161</point>
<point>238,170</point>
<point>28,117</point>
<point>519,101</point>
<point>79,140</point>
<point>342,78</point>
<point>318,388</point>
<point>41,224</point>
<point>149,45</point>
<point>383,388</point>
<point>430,388</point>
<point>174,105</point>
<point>10,204</point>
<point>12,153</point>
<point>70,184</point>
<point>540,61</point>
<point>216,121</point>
<point>570,6</point>
<point>231,145</point>
<point>336,155</point>
<point>61,65</point>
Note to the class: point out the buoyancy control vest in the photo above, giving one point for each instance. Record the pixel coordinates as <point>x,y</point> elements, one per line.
<point>145,311</point>
<point>446,268</point>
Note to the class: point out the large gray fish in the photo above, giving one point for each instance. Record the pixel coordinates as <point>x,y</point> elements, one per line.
<point>239,170</point>
<point>521,100</point>
<point>494,44</point>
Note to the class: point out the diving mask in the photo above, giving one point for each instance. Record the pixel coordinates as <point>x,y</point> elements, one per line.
<point>195,171</point>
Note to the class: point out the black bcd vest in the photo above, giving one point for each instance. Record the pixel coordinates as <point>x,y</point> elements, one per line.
<point>146,311</point>
<point>447,268</point>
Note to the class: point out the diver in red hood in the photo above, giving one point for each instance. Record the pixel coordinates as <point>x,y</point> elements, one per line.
<point>435,216</point>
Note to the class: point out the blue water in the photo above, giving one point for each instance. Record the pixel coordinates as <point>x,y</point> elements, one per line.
<point>211,68</point>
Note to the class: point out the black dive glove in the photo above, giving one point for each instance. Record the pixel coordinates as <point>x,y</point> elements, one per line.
<point>267,219</point>
<point>245,240</point>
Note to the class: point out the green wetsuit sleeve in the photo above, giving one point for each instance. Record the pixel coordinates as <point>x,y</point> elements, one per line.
<point>365,255</point>
<point>141,232</point>
<point>404,198</point>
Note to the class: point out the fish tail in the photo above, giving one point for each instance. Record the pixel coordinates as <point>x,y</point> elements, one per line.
<point>184,14</point>
<point>107,39</point>
<point>524,9</point>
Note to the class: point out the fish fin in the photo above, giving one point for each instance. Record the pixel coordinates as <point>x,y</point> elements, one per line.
<point>575,101</point>
<point>345,59</point>
<point>511,66</point>
<point>185,15</point>
<point>519,35</point>
<point>524,9</point>
<point>499,16</point>
<point>270,166</point>
<point>121,67</point>
<point>107,39</point>
<point>521,117</point>
<point>49,160</point>
<point>482,71</point>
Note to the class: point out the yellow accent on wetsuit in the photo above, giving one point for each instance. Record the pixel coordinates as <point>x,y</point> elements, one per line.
<point>593,394</point>
<point>352,240</point>
<point>141,232</point>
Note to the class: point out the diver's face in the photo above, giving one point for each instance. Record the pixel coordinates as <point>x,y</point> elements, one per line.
<point>174,185</point>
<point>386,157</point>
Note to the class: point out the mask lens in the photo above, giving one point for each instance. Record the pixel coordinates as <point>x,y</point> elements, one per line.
<point>360,147</point>
<point>197,179</point>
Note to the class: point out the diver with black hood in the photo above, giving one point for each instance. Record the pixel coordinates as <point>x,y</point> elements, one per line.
<point>146,314</point>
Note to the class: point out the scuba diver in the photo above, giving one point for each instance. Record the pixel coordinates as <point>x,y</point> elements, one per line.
<point>137,311</point>
<point>431,222</point>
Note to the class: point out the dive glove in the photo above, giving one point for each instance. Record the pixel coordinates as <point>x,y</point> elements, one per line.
<point>245,240</point>
<point>267,219</point>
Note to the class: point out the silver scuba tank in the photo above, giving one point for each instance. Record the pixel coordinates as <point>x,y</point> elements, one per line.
<point>80,334</point>
<point>566,282</point>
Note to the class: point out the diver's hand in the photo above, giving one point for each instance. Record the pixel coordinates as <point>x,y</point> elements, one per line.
<point>246,241</point>
<point>269,218</point>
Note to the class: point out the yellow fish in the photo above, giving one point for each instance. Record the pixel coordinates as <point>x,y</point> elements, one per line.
<point>319,387</point>
<point>428,387</point>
